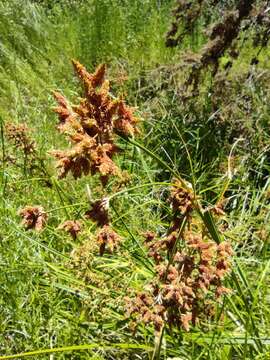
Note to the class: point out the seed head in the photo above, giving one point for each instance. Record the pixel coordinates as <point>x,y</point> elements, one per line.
<point>34,217</point>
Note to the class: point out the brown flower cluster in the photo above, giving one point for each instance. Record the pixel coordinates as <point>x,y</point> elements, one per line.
<point>99,212</point>
<point>184,292</point>
<point>19,136</point>
<point>72,227</point>
<point>181,198</point>
<point>181,201</point>
<point>91,126</point>
<point>189,273</point>
<point>106,237</point>
<point>33,217</point>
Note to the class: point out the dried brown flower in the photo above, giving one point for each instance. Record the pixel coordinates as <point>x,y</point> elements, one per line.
<point>146,310</point>
<point>34,217</point>
<point>245,17</point>
<point>154,246</point>
<point>185,16</point>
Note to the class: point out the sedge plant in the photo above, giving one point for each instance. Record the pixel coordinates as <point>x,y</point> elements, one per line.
<point>189,259</point>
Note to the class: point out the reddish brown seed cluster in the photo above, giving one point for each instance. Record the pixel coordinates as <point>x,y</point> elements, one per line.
<point>189,271</point>
<point>91,127</point>
<point>34,217</point>
<point>19,136</point>
<point>107,238</point>
<point>178,292</point>
<point>181,198</point>
<point>99,212</point>
<point>146,310</point>
<point>72,227</point>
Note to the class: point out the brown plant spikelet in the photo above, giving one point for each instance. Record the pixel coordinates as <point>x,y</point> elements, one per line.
<point>107,238</point>
<point>73,227</point>
<point>181,198</point>
<point>99,212</point>
<point>34,217</point>
<point>18,134</point>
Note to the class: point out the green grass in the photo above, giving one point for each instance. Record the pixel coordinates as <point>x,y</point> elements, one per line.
<point>51,308</point>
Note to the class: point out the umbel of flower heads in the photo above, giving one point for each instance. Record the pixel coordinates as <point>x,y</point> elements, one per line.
<point>189,273</point>
<point>91,127</point>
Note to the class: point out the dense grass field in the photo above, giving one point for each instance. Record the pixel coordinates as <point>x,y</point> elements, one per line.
<point>95,264</point>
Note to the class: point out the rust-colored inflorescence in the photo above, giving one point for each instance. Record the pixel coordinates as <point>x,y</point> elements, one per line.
<point>189,272</point>
<point>99,212</point>
<point>181,198</point>
<point>107,238</point>
<point>18,135</point>
<point>72,227</point>
<point>91,127</point>
<point>34,217</point>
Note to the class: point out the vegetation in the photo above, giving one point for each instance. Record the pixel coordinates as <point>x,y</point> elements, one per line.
<point>147,235</point>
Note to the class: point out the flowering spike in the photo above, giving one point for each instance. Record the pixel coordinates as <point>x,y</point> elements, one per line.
<point>82,73</point>
<point>92,126</point>
<point>90,80</point>
<point>98,76</point>
<point>126,122</point>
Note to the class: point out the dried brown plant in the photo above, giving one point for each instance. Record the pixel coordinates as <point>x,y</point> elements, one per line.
<point>245,19</point>
<point>221,37</point>
<point>185,16</point>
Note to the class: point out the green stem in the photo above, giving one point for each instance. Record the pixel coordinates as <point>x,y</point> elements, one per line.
<point>75,348</point>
